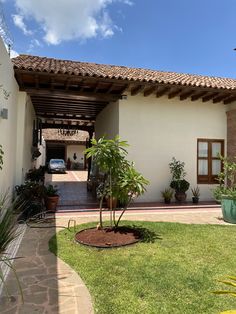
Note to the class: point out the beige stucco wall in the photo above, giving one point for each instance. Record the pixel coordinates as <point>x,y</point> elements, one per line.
<point>41,160</point>
<point>79,150</point>
<point>107,122</point>
<point>158,129</point>
<point>16,131</point>
<point>8,126</point>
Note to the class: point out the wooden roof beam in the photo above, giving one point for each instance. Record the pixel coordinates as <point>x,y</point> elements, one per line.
<point>148,91</point>
<point>80,127</point>
<point>65,117</point>
<point>110,88</point>
<point>220,98</point>
<point>174,92</point>
<point>52,82</point>
<point>209,97</point>
<point>162,91</point>
<point>72,94</point>
<point>124,88</point>
<point>198,95</point>
<point>36,81</point>
<point>67,84</point>
<point>20,81</point>
<point>186,94</point>
<point>230,99</point>
<point>137,89</point>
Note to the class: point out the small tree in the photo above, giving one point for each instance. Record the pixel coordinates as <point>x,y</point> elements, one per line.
<point>121,180</point>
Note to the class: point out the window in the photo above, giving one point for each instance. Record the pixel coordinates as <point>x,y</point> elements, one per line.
<point>208,162</point>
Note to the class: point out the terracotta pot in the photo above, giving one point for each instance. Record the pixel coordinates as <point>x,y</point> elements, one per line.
<point>51,202</point>
<point>180,197</point>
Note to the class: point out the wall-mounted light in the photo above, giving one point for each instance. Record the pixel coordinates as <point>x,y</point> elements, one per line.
<point>4,113</point>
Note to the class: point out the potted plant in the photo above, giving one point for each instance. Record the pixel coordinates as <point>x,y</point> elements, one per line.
<point>196,194</point>
<point>178,183</point>
<point>167,194</point>
<point>226,191</point>
<point>51,197</point>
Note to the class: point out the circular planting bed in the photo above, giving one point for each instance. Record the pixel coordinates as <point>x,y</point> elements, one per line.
<point>108,237</point>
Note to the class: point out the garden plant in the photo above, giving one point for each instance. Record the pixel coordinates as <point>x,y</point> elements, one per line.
<point>121,179</point>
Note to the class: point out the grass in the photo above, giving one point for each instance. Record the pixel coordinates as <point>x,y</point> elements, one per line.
<point>173,272</point>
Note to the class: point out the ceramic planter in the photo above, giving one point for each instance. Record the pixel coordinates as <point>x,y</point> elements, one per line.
<point>180,196</point>
<point>51,202</point>
<point>228,206</point>
<point>195,199</point>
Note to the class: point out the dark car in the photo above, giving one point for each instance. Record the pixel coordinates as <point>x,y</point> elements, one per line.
<point>56,166</point>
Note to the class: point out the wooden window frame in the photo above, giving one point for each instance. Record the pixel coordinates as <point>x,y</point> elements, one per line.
<point>209,178</point>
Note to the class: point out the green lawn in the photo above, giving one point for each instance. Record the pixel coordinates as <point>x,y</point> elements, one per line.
<point>173,274</point>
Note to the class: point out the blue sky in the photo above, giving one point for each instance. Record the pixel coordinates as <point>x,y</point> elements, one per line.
<point>184,36</point>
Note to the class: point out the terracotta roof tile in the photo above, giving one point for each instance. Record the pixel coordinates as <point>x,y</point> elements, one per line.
<point>50,65</point>
<point>52,134</point>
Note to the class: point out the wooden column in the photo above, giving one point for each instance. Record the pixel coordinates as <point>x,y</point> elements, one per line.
<point>89,160</point>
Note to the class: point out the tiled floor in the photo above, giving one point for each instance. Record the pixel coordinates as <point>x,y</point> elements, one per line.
<point>72,189</point>
<point>74,196</point>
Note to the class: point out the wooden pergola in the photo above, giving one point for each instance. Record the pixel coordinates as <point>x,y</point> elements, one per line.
<point>61,100</point>
<point>68,93</point>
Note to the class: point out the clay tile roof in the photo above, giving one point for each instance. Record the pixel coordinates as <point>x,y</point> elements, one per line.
<point>53,135</point>
<point>50,65</point>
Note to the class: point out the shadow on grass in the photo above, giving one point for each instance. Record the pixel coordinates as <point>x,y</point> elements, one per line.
<point>146,235</point>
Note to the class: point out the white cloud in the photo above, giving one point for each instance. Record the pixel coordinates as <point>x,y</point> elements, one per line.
<point>13,53</point>
<point>19,22</point>
<point>33,43</point>
<point>63,20</point>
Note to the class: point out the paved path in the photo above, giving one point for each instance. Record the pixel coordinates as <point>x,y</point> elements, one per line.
<point>50,286</point>
<point>72,189</point>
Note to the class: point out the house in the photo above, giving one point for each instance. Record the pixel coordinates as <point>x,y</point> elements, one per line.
<point>66,144</point>
<point>161,115</point>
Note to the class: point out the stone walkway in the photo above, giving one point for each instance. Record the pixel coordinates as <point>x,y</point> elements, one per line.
<point>51,286</point>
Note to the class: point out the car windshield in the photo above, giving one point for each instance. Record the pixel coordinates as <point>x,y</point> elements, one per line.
<point>57,163</point>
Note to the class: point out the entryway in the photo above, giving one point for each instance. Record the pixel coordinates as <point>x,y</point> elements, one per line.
<point>73,192</point>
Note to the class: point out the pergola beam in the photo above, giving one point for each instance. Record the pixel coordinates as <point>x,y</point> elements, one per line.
<point>72,95</point>
<point>174,92</point>
<point>137,89</point>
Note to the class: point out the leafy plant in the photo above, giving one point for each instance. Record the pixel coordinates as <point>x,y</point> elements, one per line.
<point>177,169</point>
<point>51,190</point>
<point>226,179</point>
<point>121,180</point>
<point>131,184</point>
<point>180,186</point>
<point>167,194</point>
<point>7,235</point>
<point>196,192</point>
<point>178,183</point>
<point>30,199</point>
<point>35,175</point>
<point>232,283</point>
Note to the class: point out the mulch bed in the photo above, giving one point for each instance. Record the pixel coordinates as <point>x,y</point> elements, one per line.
<point>108,237</point>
